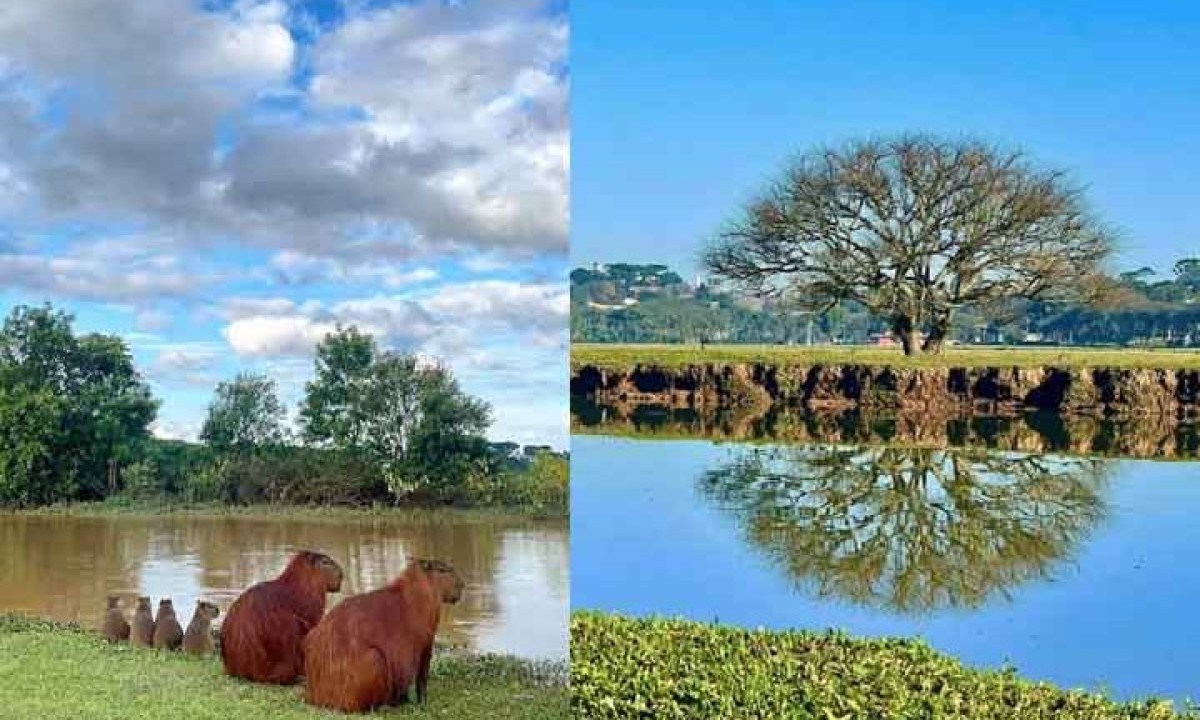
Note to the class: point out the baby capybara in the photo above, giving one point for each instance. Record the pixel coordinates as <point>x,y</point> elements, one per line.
<point>262,638</point>
<point>115,628</point>
<point>168,634</point>
<point>142,633</point>
<point>198,638</point>
<point>369,648</point>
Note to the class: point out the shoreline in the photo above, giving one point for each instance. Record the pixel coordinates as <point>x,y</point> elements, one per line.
<point>108,508</point>
<point>1087,383</point>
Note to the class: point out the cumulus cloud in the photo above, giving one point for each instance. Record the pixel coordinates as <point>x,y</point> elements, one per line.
<point>447,321</point>
<point>466,147</point>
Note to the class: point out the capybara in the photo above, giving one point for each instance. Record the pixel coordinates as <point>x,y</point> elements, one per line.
<point>371,647</point>
<point>167,632</point>
<point>198,638</point>
<point>115,629</point>
<point>142,633</point>
<point>262,638</point>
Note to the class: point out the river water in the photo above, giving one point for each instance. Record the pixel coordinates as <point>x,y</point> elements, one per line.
<point>516,571</point>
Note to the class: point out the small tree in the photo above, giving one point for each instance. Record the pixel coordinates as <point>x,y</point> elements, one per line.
<point>912,229</point>
<point>245,414</point>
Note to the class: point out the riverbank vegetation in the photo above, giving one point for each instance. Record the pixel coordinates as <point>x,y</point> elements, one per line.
<point>656,668</point>
<point>375,427</point>
<point>671,356</point>
<point>58,671</point>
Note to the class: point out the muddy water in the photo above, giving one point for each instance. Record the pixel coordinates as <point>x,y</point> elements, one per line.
<point>516,571</point>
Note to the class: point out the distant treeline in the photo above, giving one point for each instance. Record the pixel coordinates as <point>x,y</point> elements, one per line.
<point>629,303</point>
<point>375,426</point>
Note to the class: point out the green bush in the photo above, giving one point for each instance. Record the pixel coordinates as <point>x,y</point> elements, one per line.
<point>665,669</point>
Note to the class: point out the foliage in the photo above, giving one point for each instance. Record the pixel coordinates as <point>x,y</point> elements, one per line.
<point>541,487</point>
<point>53,671</point>
<point>668,669</point>
<point>407,416</point>
<point>911,530</point>
<point>379,427</point>
<point>245,414</point>
<point>913,228</point>
<point>72,409</point>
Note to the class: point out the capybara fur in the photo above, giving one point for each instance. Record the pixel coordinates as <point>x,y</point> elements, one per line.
<point>262,638</point>
<point>368,650</point>
<point>116,628</point>
<point>142,633</point>
<point>168,634</point>
<point>198,638</point>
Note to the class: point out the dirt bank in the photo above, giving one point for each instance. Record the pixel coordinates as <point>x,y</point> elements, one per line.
<point>1096,391</point>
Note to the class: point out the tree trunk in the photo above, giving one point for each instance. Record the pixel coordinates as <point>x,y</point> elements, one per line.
<point>936,340</point>
<point>902,328</point>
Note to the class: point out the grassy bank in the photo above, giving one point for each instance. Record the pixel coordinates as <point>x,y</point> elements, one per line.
<point>624,356</point>
<point>136,508</point>
<point>52,671</point>
<point>626,668</point>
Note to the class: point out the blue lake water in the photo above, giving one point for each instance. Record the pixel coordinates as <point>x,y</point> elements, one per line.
<point>1079,571</point>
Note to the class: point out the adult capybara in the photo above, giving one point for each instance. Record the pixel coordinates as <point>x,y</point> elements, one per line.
<point>369,648</point>
<point>198,638</point>
<point>262,638</point>
<point>142,634</point>
<point>168,634</point>
<point>115,628</point>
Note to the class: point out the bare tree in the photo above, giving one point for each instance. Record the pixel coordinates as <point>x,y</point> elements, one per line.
<point>913,228</point>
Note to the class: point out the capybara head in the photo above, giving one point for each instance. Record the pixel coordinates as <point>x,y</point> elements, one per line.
<point>166,605</point>
<point>113,601</point>
<point>444,578</point>
<point>326,566</point>
<point>207,610</point>
<point>143,603</point>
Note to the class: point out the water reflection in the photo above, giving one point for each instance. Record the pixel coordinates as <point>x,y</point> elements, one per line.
<point>1154,436</point>
<point>63,567</point>
<point>911,530</point>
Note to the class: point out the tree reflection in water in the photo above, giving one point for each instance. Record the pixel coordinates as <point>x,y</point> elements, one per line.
<point>912,530</point>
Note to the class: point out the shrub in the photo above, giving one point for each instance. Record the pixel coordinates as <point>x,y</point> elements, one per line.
<point>654,668</point>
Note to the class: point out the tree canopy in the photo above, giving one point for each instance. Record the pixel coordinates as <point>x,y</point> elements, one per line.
<point>71,408</point>
<point>407,415</point>
<point>245,413</point>
<point>913,228</point>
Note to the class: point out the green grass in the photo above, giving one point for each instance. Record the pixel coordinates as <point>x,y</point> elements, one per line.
<point>121,507</point>
<point>668,669</point>
<point>50,671</point>
<point>625,356</point>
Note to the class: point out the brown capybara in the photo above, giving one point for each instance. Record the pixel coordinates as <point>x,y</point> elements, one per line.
<point>198,638</point>
<point>368,649</point>
<point>115,628</point>
<point>168,634</point>
<point>142,634</point>
<point>262,638</point>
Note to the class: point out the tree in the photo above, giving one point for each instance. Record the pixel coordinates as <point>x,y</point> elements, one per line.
<point>910,529</point>
<point>407,416</point>
<point>331,414</point>
<point>245,414</point>
<point>73,410</point>
<point>913,228</point>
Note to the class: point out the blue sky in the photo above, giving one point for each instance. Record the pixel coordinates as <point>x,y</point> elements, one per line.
<point>681,110</point>
<point>222,182</point>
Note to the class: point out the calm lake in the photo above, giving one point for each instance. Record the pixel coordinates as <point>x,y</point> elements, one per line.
<point>1074,569</point>
<point>516,571</point>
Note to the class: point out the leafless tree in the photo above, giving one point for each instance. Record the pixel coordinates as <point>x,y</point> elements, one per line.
<point>913,228</point>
